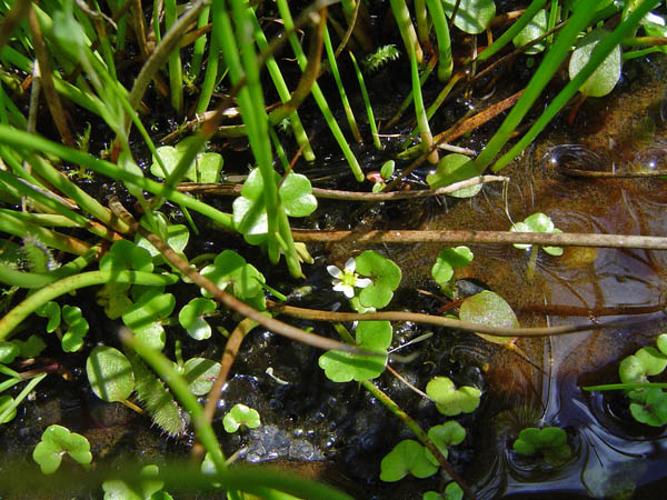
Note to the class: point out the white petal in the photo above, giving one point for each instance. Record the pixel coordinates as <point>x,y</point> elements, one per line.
<point>348,291</point>
<point>350,265</point>
<point>334,271</point>
<point>338,286</point>
<point>363,282</point>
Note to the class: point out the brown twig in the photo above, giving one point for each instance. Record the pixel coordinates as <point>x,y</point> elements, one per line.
<point>52,98</point>
<point>228,357</point>
<point>575,172</point>
<point>319,315</point>
<point>466,236</point>
<point>350,28</point>
<point>12,19</point>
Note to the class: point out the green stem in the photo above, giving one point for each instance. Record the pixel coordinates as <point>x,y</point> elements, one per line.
<point>200,45</point>
<point>407,30</point>
<point>30,386</point>
<point>625,386</point>
<point>66,285</point>
<point>422,120</point>
<point>445,61</point>
<point>24,140</point>
<point>165,369</point>
<point>598,55</point>
<point>213,61</point>
<point>318,95</point>
<point>367,103</point>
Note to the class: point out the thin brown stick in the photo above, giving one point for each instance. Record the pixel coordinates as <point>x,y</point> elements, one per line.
<point>466,236</point>
<point>350,28</point>
<point>228,357</point>
<point>140,28</point>
<point>427,319</point>
<point>575,172</point>
<point>334,194</point>
<point>400,377</point>
<point>52,98</point>
<point>226,299</point>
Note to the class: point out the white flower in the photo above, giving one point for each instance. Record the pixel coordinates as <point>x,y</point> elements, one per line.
<point>347,280</point>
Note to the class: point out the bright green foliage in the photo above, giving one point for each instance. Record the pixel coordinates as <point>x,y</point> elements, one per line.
<point>387,169</point>
<point>472,16</point>
<point>381,57</point>
<point>124,255</point>
<point>550,442</point>
<point>385,276</point>
<point>232,273</point>
<point>175,235</point>
<point>653,411</point>
<point>5,403</point>
<point>452,492</point>
<point>110,374</point>
<point>240,415</point>
<point>58,441</point>
<point>537,223</point>
<point>536,28</point>
<point>50,310</point>
<point>646,362</point>
<point>489,308</point>
<point>372,336</point>
<point>661,342</point>
<point>206,167</point>
<point>451,401</point>
<point>407,457</point>
<point>191,317</point>
<point>149,488</point>
<point>250,218</point>
<point>200,373</point>
<point>447,173</point>
<point>145,315</point>
<point>448,434</point>
<point>31,347</point>
<point>605,77</point>
<point>8,351</point>
<point>447,261</point>
<point>77,328</point>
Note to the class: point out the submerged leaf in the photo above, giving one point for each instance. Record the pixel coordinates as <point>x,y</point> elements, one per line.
<point>472,16</point>
<point>604,78</point>
<point>110,374</point>
<point>57,441</point>
<point>239,415</point>
<point>489,308</point>
<point>407,457</point>
<point>451,401</point>
<point>450,170</point>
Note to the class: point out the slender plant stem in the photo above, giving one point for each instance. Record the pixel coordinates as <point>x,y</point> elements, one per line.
<point>420,112</point>
<point>625,386</point>
<point>66,285</point>
<point>411,424</point>
<point>175,68</point>
<point>445,61</point>
<point>367,103</point>
<point>428,319</point>
<point>165,369</point>
<point>465,236</point>
<point>407,29</point>
<point>30,386</point>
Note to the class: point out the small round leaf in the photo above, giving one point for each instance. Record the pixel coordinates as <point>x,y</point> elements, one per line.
<point>110,374</point>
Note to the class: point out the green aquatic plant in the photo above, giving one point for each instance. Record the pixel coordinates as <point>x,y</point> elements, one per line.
<point>535,29</point>
<point>450,433</point>
<point>407,457</point>
<point>605,77</point>
<point>385,277</point>
<point>347,279</point>
<point>379,58</point>
<point>452,492</point>
<point>450,400</point>
<point>373,336</point>
<point>58,441</point>
<point>200,374</point>
<point>206,167</point>
<point>192,317</point>
<point>148,487</point>
<point>489,308</point>
<point>240,416</point>
<point>446,173</point>
<point>145,316</point>
<point>447,261</point>
<point>472,16</point>
<point>549,442</point>
<point>536,223</point>
<point>232,273</point>
<point>110,374</point>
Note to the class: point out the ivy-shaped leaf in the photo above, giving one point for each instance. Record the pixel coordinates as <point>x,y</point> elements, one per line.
<point>537,223</point>
<point>31,347</point>
<point>447,172</point>
<point>374,336</point>
<point>77,328</point>
<point>57,441</point>
<point>604,78</point>
<point>551,442</point>
<point>50,310</point>
<point>451,401</point>
<point>191,317</point>
<point>653,411</point>
<point>240,415</point>
<point>447,261</point>
<point>232,273</point>
<point>145,316</point>
<point>384,274</point>
<point>206,168</point>
<point>448,434</point>
<point>175,235</point>
<point>407,457</point>
<point>148,488</point>
<point>124,255</point>
<point>472,16</point>
<point>110,374</point>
